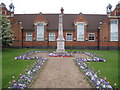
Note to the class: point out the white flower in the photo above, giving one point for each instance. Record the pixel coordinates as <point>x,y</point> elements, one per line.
<point>87,73</point>
<point>29,72</point>
<point>115,84</point>
<point>20,84</point>
<point>15,57</point>
<point>98,82</point>
<point>13,77</point>
<point>82,67</point>
<point>98,70</point>
<point>97,87</point>
<point>92,78</point>
<point>108,86</point>
<point>104,86</point>
<point>105,78</point>
<point>95,75</point>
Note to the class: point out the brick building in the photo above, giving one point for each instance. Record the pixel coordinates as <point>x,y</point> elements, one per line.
<point>81,31</point>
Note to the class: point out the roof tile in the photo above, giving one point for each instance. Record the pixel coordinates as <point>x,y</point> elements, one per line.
<point>93,20</point>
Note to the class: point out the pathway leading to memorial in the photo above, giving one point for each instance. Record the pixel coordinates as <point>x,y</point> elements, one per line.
<point>60,72</point>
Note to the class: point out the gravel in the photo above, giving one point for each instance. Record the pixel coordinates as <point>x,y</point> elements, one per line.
<point>60,72</point>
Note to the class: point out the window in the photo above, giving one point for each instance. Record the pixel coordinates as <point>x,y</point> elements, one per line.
<point>51,36</point>
<point>68,36</point>
<point>40,32</point>
<point>114,30</point>
<point>91,36</point>
<point>80,31</point>
<point>28,36</point>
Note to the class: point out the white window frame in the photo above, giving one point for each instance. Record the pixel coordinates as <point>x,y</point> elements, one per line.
<point>68,38</point>
<point>51,34</point>
<point>40,32</point>
<point>89,36</point>
<point>81,33</point>
<point>28,36</point>
<point>112,26</point>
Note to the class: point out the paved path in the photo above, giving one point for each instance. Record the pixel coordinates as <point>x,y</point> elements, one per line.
<point>60,72</point>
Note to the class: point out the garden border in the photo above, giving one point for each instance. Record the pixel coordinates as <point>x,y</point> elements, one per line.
<point>39,71</point>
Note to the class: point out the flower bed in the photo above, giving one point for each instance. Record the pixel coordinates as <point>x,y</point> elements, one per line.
<point>60,55</point>
<point>91,60</point>
<point>25,56</point>
<point>91,55</point>
<point>28,76</point>
<point>92,77</point>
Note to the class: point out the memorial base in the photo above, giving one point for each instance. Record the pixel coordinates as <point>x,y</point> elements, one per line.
<point>61,54</point>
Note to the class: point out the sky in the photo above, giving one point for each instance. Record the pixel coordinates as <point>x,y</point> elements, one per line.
<point>54,6</point>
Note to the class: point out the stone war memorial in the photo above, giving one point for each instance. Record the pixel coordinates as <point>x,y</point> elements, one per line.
<point>60,39</point>
<point>60,51</point>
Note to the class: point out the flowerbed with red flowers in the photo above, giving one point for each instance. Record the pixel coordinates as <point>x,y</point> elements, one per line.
<point>60,55</point>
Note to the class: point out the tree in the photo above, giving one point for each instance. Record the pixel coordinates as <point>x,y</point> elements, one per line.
<point>6,34</point>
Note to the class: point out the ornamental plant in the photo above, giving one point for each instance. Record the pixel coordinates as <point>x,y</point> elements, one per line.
<point>91,55</point>
<point>28,76</point>
<point>92,60</point>
<point>6,33</point>
<point>60,55</point>
<point>93,77</point>
<point>26,56</point>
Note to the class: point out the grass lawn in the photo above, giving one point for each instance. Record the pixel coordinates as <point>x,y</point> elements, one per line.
<point>12,67</point>
<point>108,69</point>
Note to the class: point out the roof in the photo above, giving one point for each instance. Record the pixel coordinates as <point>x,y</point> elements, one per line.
<point>118,5</point>
<point>93,20</point>
<point>2,5</point>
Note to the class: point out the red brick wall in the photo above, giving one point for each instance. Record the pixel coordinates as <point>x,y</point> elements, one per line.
<point>27,43</point>
<point>16,28</point>
<point>80,18</point>
<point>40,18</point>
<point>115,12</point>
<point>52,43</point>
<point>95,32</point>
<point>74,43</point>
<point>34,42</point>
<point>105,34</point>
<point>104,37</point>
<point>80,43</point>
<point>5,11</point>
<point>105,31</point>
